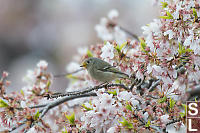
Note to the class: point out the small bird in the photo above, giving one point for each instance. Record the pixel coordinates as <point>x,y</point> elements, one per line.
<point>102,71</point>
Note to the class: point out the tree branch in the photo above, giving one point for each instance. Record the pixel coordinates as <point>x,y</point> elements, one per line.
<point>154,85</point>
<point>53,104</point>
<point>89,89</point>
<point>169,123</point>
<point>63,75</point>
<point>62,100</point>
<point>130,33</point>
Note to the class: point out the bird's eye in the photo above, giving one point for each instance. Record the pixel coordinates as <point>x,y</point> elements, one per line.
<point>88,62</point>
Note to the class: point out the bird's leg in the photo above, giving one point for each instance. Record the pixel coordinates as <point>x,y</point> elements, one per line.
<point>105,84</point>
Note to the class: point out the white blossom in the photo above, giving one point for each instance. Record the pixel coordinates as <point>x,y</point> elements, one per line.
<point>82,50</point>
<point>107,52</point>
<point>111,130</point>
<point>124,95</point>
<point>102,30</point>
<point>165,118</point>
<point>107,33</point>
<point>104,113</point>
<point>32,130</point>
<point>73,66</point>
<point>42,64</point>
<point>171,129</point>
<point>152,29</point>
<point>170,33</point>
<point>134,102</point>
<point>176,13</point>
<point>149,69</point>
<point>113,14</point>
<point>30,77</point>
<point>23,104</point>
<point>157,68</point>
<point>119,35</point>
<point>197,60</point>
<point>146,115</point>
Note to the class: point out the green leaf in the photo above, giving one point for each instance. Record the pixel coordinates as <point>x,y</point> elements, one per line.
<point>89,53</point>
<point>71,118</point>
<point>194,13</point>
<point>182,114</point>
<point>22,92</point>
<point>195,99</point>
<point>143,45</point>
<point>164,4</point>
<point>125,123</point>
<point>65,130</point>
<point>36,116</point>
<point>171,103</point>
<point>184,106</point>
<point>122,45</point>
<point>129,107</point>
<point>164,17</point>
<point>182,49</point>
<point>118,48</point>
<point>48,83</point>
<point>87,108</point>
<point>148,123</point>
<point>169,16</point>
<point>70,76</point>
<point>117,81</point>
<point>3,104</point>
<point>162,100</point>
<point>113,92</point>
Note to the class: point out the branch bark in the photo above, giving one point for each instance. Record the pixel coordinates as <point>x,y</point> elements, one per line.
<point>62,100</point>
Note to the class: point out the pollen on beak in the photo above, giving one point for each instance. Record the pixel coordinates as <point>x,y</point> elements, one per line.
<point>83,65</point>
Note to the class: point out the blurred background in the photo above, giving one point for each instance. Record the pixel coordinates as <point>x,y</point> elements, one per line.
<point>31,30</point>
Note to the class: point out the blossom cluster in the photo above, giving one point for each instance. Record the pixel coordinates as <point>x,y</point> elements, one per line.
<point>163,66</point>
<point>170,44</point>
<point>16,107</point>
<point>108,29</point>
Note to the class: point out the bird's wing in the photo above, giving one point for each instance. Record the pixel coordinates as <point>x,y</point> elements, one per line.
<point>111,69</point>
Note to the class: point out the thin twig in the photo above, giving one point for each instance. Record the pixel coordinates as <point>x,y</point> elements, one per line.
<point>63,75</point>
<point>156,128</point>
<point>54,104</point>
<point>19,125</point>
<point>32,107</point>
<point>62,100</point>
<point>154,85</point>
<point>171,122</point>
<point>38,106</point>
<point>130,33</point>
<point>89,89</point>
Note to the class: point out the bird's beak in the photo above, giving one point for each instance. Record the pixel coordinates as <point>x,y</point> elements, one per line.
<point>83,65</point>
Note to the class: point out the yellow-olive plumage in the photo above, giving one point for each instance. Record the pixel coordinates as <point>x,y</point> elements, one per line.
<point>101,70</point>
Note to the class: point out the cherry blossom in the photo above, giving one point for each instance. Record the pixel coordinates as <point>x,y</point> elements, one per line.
<point>108,30</point>
<point>163,68</point>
